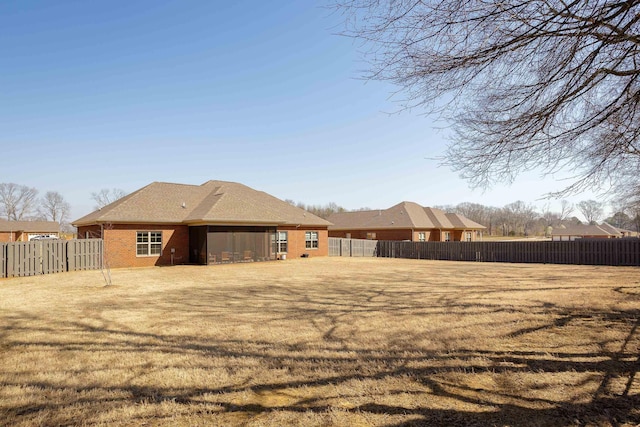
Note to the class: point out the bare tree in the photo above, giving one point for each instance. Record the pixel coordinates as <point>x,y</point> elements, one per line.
<point>106,196</point>
<point>551,219</point>
<point>636,221</point>
<point>591,209</point>
<point>566,209</point>
<point>620,220</point>
<point>53,207</point>
<point>537,84</point>
<point>484,215</point>
<point>324,211</point>
<point>522,216</point>
<point>17,202</point>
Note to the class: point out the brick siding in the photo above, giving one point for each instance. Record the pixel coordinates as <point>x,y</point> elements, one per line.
<point>7,236</point>
<point>120,243</point>
<point>296,242</point>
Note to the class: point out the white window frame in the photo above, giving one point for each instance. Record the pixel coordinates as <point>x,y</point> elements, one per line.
<point>447,236</point>
<point>422,236</point>
<point>311,240</point>
<point>468,236</point>
<point>151,241</point>
<point>282,243</point>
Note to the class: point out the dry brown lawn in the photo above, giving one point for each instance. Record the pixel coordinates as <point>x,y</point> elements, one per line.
<point>323,342</point>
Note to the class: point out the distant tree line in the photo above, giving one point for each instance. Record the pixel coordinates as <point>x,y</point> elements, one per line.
<point>519,218</point>
<point>22,203</point>
<point>323,211</point>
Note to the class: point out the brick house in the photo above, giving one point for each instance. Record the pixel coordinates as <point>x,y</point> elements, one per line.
<point>404,221</point>
<point>216,222</point>
<point>589,231</point>
<point>23,231</point>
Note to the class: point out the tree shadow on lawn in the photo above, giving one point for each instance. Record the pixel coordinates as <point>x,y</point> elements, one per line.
<point>328,356</point>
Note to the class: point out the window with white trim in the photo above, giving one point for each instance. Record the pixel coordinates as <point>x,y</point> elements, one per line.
<point>311,240</point>
<point>422,237</point>
<point>447,236</point>
<point>281,242</point>
<point>148,243</point>
<point>468,236</point>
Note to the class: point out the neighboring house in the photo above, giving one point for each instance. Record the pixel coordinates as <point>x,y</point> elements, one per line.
<point>585,231</point>
<point>404,221</point>
<point>216,222</point>
<point>23,231</point>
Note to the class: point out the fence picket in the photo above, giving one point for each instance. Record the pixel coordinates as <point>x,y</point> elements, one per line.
<point>583,251</point>
<point>49,256</point>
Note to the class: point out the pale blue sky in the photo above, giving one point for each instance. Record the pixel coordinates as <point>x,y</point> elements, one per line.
<point>119,94</point>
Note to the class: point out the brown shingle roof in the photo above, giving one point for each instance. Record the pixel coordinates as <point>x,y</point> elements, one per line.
<point>214,202</point>
<point>30,226</point>
<point>613,230</point>
<point>402,215</point>
<point>586,230</point>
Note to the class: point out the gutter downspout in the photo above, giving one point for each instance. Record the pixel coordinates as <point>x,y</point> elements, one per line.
<point>104,245</point>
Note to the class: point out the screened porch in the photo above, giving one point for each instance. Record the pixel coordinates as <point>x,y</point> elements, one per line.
<point>210,244</point>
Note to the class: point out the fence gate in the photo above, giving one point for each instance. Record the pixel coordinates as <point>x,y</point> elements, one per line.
<point>352,247</point>
<point>345,247</point>
<point>24,259</point>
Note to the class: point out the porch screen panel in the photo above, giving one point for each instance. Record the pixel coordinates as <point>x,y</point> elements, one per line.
<point>240,244</point>
<point>220,246</point>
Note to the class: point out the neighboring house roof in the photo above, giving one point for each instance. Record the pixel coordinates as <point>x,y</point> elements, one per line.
<point>611,229</point>
<point>608,227</point>
<point>402,215</point>
<point>603,230</point>
<point>30,226</point>
<point>214,202</point>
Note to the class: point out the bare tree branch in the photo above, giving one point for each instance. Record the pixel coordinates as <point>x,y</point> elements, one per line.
<point>547,85</point>
<point>107,196</point>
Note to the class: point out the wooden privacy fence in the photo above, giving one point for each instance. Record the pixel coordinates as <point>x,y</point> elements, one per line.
<point>49,256</point>
<point>352,247</point>
<point>582,251</point>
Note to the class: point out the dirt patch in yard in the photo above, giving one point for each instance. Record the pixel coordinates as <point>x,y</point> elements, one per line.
<point>323,341</point>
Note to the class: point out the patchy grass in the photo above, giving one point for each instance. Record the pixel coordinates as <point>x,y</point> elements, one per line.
<point>323,341</point>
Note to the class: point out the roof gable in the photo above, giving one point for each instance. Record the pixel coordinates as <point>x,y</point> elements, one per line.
<point>611,229</point>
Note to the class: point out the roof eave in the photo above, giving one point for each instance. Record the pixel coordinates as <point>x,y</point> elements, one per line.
<point>132,221</point>
<point>197,222</point>
<point>406,227</point>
